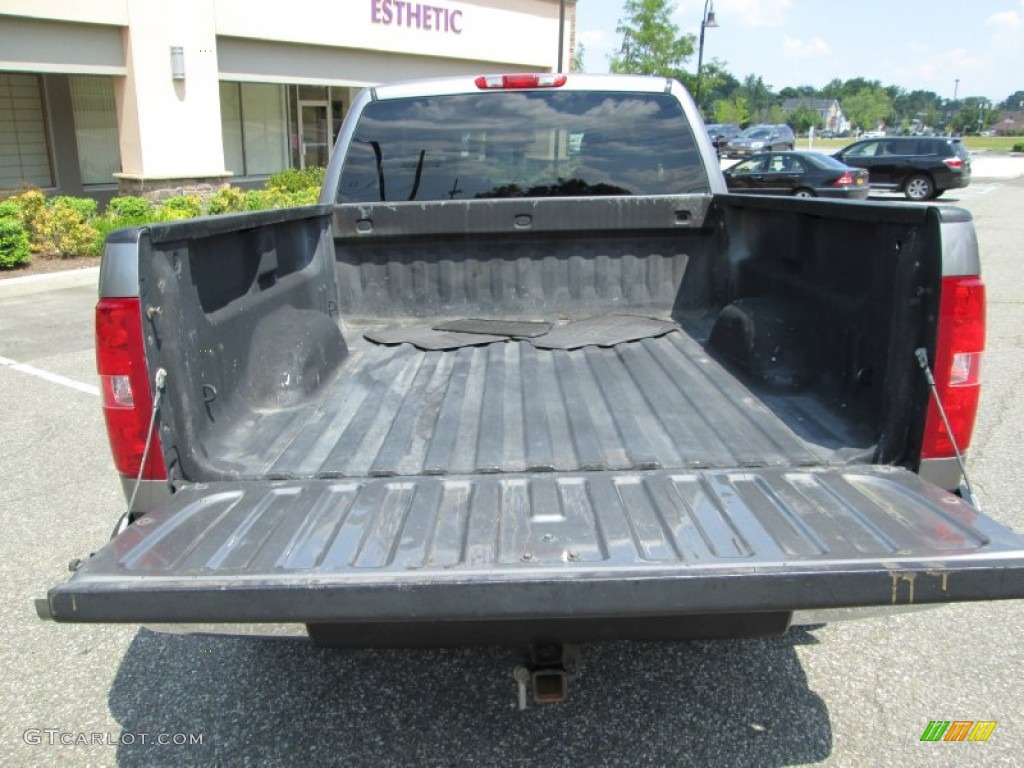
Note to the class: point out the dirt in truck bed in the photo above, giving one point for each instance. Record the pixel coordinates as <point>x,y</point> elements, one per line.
<point>510,407</point>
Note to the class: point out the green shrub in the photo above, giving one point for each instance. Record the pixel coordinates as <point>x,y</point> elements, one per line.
<point>104,225</point>
<point>296,180</point>
<point>1018,147</point>
<point>254,200</point>
<point>130,210</point>
<point>64,228</point>
<point>263,199</point>
<point>10,210</point>
<point>85,206</point>
<point>32,204</point>
<point>227,200</point>
<point>180,207</point>
<point>14,243</point>
<point>306,196</point>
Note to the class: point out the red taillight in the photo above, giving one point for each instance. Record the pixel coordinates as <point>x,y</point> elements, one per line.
<point>960,343</point>
<point>125,388</point>
<point>843,181</point>
<point>511,82</point>
<point>955,163</point>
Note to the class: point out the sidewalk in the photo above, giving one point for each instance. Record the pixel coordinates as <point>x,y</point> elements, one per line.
<point>49,281</point>
<point>988,166</point>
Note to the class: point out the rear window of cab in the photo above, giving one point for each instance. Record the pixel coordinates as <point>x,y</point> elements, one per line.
<point>522,144</point>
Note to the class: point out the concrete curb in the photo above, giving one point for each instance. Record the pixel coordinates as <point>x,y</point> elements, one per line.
<point>51,281</point>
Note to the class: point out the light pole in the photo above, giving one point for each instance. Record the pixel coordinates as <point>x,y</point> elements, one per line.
<point>707,20</point>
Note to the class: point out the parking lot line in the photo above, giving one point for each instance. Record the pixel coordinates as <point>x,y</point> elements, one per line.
<point>54,378</point>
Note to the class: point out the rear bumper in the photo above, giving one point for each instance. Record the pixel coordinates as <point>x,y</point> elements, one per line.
<point>845,193</point>
<point>547,546</point>
<point>953,181</point>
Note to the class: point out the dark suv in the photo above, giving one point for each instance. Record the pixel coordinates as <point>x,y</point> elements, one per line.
<point>720,133</point>
<point>760,138</point>
<point>921,167</point>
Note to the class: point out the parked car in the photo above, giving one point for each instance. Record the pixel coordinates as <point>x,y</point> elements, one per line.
<point>801,174</point>
<point>921,167</point>
<point>721,133</point>
<point>759,138</point>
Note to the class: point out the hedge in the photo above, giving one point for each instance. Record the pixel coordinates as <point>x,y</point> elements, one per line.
<point>64,227</point>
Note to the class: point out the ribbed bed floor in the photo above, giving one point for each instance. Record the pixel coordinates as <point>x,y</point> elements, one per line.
<point>509,407</point>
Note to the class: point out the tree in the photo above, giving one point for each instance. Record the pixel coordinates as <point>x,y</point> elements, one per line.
<point>800,92</point>
<point>834,90</point>
<point>735,111</point>
<point>1014,102</point>
<point>868,107</point>
<point>716,83</point>
<point>576,65</point>
<point>776,115</point>
<point>804,118</point>
<point>758,95</point>
<point>651,43</point>
<point>976,114</point>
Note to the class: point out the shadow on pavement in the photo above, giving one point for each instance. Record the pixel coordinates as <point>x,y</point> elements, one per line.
<point>729,703</point>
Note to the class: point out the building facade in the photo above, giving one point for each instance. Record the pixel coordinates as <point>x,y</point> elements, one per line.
<point>143,96</point>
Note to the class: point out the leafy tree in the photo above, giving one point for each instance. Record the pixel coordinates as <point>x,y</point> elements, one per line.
<point>834,90</point>
<point>758,95</point>
<point>776,115</point>
<point>716,83</point>
<point>804,118</point>
<point>975,114</point>
<point>856,85</point>
<point>868,107</point>
<point>800,92</point>
<point>1014,102</point>
<point>576,65</point>
<point>734,111</point>
<point>917,109</point>
<point>651,43</point>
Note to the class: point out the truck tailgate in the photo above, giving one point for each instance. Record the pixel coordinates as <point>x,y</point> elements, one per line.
<point>543,546</point>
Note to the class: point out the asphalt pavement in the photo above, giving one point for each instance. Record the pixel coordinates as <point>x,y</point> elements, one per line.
<point>847,694</point>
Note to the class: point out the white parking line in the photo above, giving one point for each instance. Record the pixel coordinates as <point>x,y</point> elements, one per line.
<point>974,190</point>
<point>54,378</point>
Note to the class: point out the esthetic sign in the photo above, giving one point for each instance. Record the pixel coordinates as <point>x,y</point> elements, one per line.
<point>429,18</point>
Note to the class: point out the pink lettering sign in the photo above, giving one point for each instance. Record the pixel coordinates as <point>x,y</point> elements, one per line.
<point>402,13</point>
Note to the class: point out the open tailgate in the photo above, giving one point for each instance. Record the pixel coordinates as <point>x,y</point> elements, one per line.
<point>545,545</point>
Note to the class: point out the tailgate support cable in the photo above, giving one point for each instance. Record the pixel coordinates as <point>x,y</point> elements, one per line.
<point>922,360</point>
<point>159,381</point>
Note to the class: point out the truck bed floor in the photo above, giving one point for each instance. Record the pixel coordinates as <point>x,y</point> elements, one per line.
<point>508,407</point>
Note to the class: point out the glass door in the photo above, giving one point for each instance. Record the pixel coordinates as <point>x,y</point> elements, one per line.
<point>314,133</point>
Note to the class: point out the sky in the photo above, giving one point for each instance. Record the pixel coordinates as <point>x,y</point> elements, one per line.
<point>915,44</point>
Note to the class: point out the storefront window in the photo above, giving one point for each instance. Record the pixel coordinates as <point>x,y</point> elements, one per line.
<point>254,128</point>
<point>231,127</point>
<point>95,118</point>
<point>263,128</point>
<point>24,148</point>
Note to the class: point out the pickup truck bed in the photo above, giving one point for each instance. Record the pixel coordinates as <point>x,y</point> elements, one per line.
<point>508,407</point>
<point>756,459</point>
<point>660,487</point>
